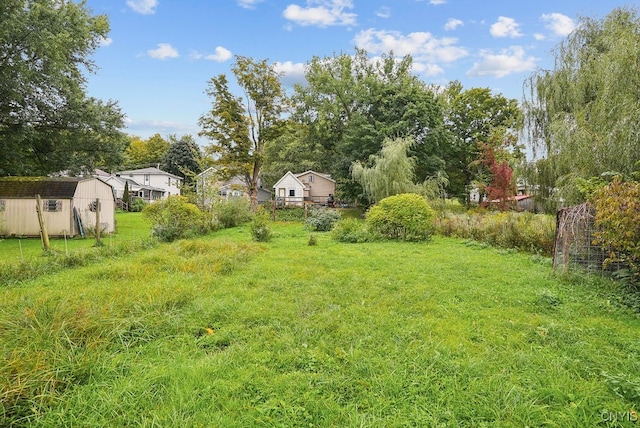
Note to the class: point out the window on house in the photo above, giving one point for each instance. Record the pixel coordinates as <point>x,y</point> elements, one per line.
<point>3,205</point>
<point>52,205</point>
<point>310,179</point>
<point>292,192</point>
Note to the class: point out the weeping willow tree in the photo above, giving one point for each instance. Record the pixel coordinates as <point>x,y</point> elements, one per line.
<point>392,172</point>
<point>583,114</point>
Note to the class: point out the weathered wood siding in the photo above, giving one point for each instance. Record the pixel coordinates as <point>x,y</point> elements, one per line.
<point>20,218</point>
<point>84,199</point>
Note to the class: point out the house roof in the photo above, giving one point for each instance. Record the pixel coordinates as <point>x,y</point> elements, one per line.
<point>150,171</point>
<point>46,187</point>
<point>320,174</point>
<point>293,176</point>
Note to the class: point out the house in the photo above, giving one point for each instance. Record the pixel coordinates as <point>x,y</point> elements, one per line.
<point>154,178</point>
<point>209,180</point>
<point>146,193</point>
<point>306,187</point>
<point>68,205</point>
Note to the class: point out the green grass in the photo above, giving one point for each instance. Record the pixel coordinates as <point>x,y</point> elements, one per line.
<point>129,227</point>
<point>223,331</point>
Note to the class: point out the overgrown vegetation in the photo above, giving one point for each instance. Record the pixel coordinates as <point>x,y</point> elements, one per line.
<point>534,233</point>
<point>260,229</point>
<point>322,219</point>
<point>376,334</point>
<point>175,218</point>
<point>618,223</point>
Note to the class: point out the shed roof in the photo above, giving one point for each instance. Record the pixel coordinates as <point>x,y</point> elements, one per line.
<point>46,187</point>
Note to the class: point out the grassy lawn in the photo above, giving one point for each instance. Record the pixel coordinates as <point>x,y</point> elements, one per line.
<point>129,226</point>
<point>222,331</point>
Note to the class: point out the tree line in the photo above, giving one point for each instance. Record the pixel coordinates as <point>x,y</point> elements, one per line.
<point>372,124</point>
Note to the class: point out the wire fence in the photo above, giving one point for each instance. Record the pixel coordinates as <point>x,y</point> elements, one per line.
<point>575,245</point>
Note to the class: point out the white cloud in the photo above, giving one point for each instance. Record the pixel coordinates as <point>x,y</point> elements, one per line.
<point>163,51</point>
<point>508,61</point>
<point>560,24</point>
<point>539,36</point>
<point>437,2</point>
<point>423,47</point>
<point>248,4</point>
<point>428,70</point>
<point>322,13</point>
<point>452,24</point>
<point>145,7</point>
<point>291,72</point>
<point>505,27</point>
<point>105,41</point>
<point>221,55</point>
<point>384,12</point>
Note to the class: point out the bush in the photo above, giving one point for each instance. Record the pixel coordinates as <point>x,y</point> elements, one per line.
<point>351,230</point>
<point>232,212</point>
<point>406,217</point>
<point>174,218</point>
<point>260,230</point>
<point>618,223</point>
<point>137,205</point>
<point>322,219</point>
<point>290,214</point>
<point>529,232</point>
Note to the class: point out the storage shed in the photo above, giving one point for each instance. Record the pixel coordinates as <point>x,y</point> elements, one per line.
<point>68,205</point>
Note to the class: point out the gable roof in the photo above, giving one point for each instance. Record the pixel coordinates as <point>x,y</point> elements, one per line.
<point>151,171</point>
<point>46,187</point>
<point>319,174</point>
<point>295,178</point>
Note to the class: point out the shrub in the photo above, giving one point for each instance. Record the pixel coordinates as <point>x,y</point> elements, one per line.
<point>313,240</point>
<point>406,216</point>
<point>618,223</point>
<point>260,230</point>
<point>351,230</point>
<point>232,212</point>
<point>290,214</point>
<point>137,205</point>
<point>174,218</point>
<point>322,219</point>
<point>529,232</point>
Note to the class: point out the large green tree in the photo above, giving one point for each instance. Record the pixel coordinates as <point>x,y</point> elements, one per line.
<point>352,103</point>
<point>241,127</point>
<point>143,153</point>
<point>47,122</point>
<point>474,116</point>
<point>183,158</point>
<point>583,114</point>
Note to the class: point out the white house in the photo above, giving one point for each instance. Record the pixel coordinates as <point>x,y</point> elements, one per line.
<point>147,193</point>
<point>68,205</point>
<point>154,178</point>
<point>305,187</point>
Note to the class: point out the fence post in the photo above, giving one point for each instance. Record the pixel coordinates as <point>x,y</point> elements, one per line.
<point>98,221</point>
<point>44,235</point>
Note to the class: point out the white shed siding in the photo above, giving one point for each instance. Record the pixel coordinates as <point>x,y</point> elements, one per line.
<point>86,194</point>
<point>20,218</point>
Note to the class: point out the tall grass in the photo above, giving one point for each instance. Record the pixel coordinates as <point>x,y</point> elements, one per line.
<point>529,232</point>
<point>224,331</point>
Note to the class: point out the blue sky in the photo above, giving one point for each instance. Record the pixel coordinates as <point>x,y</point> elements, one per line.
<point>160,54</point>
